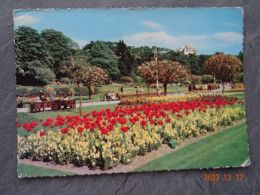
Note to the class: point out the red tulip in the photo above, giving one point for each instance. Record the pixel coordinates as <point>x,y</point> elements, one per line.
<point>43,133</point>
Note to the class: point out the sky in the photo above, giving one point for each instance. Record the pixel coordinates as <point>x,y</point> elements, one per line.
<point>209,30</point>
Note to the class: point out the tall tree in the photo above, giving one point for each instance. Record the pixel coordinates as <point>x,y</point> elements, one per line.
<point>142,54</point>
<point>127,62</point>
<point>99,54</point>
<point>195,68</point>
<point>223,67</point>
<point>61,48</point>
<point>30,54</point>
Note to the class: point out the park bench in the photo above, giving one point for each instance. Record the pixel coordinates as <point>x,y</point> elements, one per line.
<point>54,105</point>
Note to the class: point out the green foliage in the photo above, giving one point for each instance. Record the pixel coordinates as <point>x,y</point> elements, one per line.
<point>127,62</point>
<point>44,76</point>
<point>100,55</point>
<point>239,78</point>
<point>60,47</point>
<point>207,79</point>
<point>66,91</point>
<point>194,79</point>
<point>30,53</point>
<point>127,79</point>
<point>65,80</point>
<point>142,54</point>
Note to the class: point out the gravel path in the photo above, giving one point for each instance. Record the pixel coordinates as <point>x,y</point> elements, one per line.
<point>121,168</point>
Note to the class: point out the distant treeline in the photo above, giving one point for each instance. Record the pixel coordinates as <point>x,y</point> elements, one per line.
<point>40,56</point>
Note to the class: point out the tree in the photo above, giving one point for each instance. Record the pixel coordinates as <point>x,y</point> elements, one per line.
<point>168,72</point>
<point>207,79</point>
<point>195,68</point>
<point>148,73</point>
<point>60,47</point>
<point>30,53</point>
<point>223,67</point>
<point>142,54</point>
<point>44,76</point>
<point>194,79</point>
<point>99,54</point>
<point>127,62</point>
<point>76,68</point>
<point>93,76</point>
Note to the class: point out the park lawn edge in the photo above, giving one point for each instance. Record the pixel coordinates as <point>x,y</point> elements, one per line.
<point>147,167</point>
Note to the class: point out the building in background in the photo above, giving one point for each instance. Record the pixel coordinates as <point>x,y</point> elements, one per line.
<point>188,49</point>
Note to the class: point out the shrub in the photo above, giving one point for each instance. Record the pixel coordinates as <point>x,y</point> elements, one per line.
<point>47,88</point>
<point>127,79</point>
<point>44,75</point>
<point>65,80</point>
<point>66,91</point>
<point>239,78</point>
<point>207,79</point>
<point>36,90</point>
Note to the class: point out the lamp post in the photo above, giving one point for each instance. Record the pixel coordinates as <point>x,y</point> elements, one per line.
<point>156,72</point>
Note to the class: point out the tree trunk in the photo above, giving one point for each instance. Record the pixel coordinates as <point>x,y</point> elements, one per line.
<point>165,89</point>
<point>89,92</point>
<point>222,88</point>
<point>80,98</point>
<point>148,88</point>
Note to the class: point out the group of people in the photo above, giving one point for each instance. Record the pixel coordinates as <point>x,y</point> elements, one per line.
<point>207,87</point>
<point>42,98</point>
<point>111,96</point>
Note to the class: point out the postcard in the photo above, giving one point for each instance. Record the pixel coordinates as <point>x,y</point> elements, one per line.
<point>104,91</point>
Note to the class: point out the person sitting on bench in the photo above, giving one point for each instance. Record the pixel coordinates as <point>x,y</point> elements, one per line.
<point>19,102</point>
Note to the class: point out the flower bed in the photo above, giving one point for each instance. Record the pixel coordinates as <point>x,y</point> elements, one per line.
<point>157,99</point>
<point>107,138</point>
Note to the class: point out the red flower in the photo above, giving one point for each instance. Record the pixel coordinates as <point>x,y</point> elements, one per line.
<point>179,115</point>
<point>160,122</point>
<point>104,131</point>
<point>80,114</point>
<point>92,128</point>
<point>143,123</point>
<point>80,129</point>
<point>110,127</point>
<point>167,120</point>
<point>34,131</point>
<point>43,133</point>
<point>187,113</point>
<point>40,119</point>
<point>52,125</point>
<point>124,129</point>
<point>103,122</point>
<point>152,121</point>
<point>64,131</point>
<point>18,125</point>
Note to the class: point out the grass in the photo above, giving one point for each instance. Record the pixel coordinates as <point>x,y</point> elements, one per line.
<point>35,171</point>
<point>227,148</point>
<point>28,117</point>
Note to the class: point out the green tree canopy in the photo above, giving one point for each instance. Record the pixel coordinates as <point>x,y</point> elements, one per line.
<point>100,55</point>
<point>127,62</point>
<point>30,53</point>
<point>60,47</point>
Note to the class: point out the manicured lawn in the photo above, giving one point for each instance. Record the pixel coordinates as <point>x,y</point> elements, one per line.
<point>28,117</point>
<point>227,148</point>
<point>239,95</point>
<point>34,171</point>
